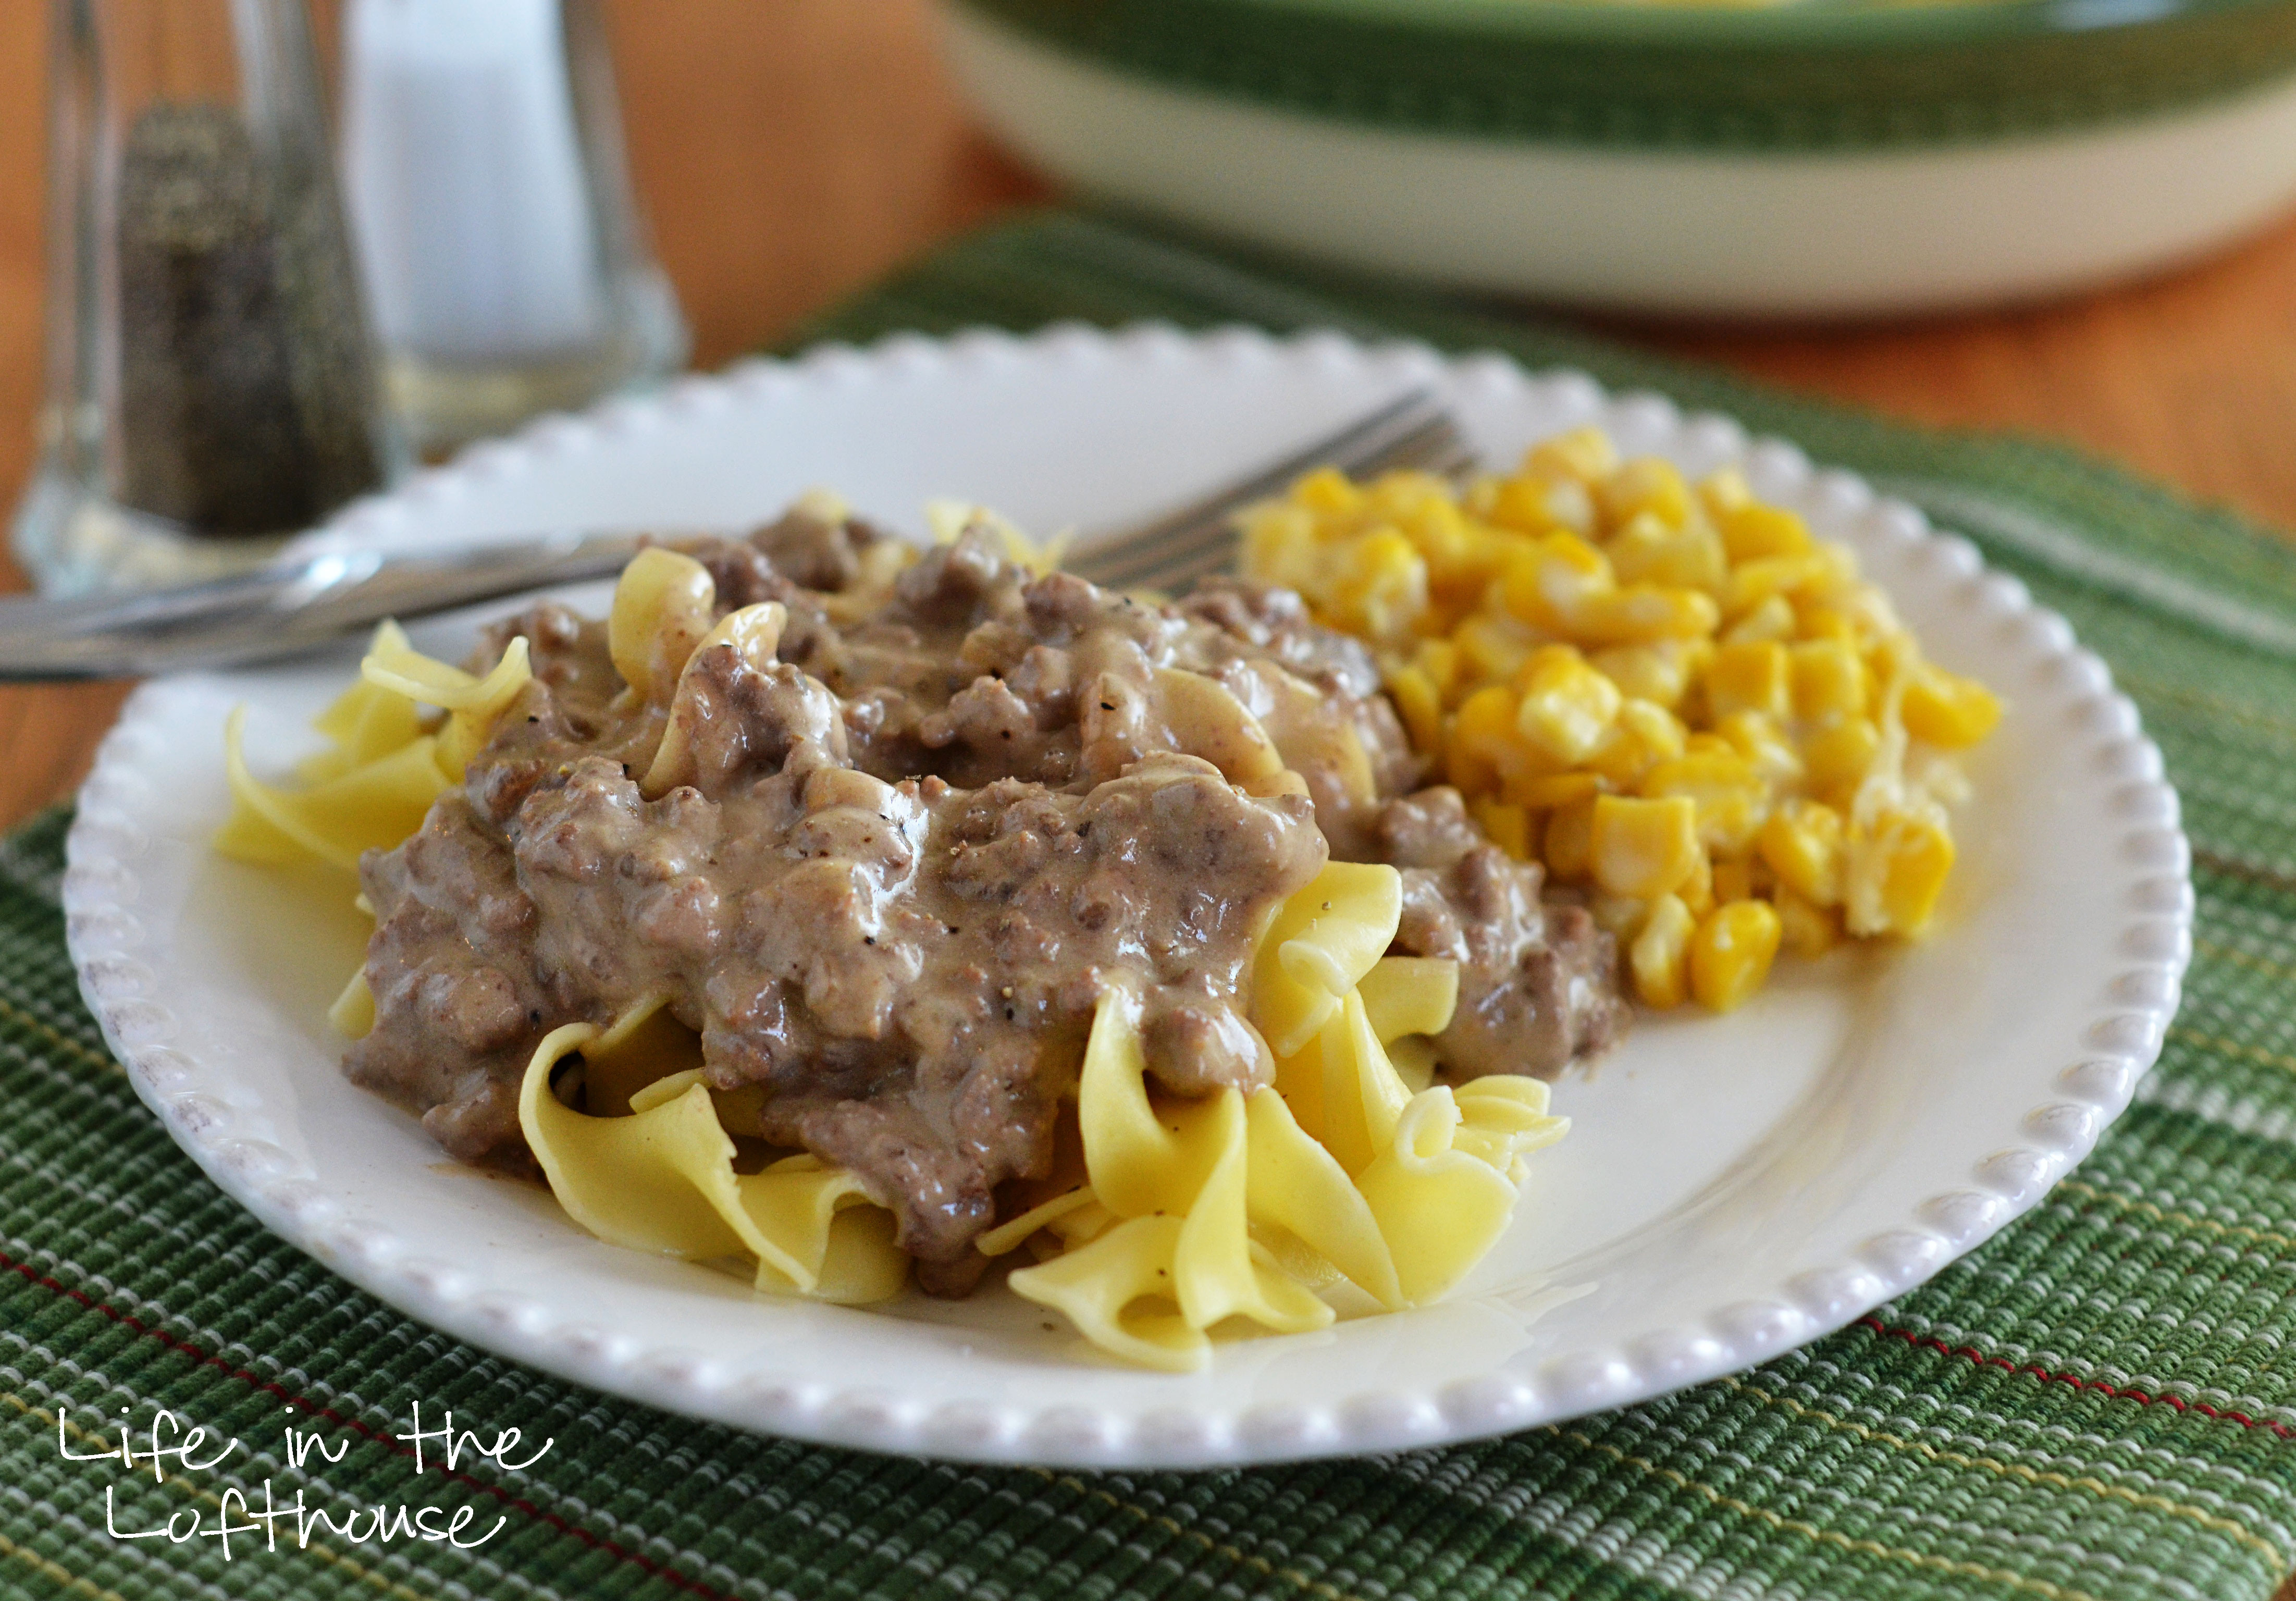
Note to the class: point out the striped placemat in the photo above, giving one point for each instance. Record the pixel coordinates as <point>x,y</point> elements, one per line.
<point>2095,1406</point>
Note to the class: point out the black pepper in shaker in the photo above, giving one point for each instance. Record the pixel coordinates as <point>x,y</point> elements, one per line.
<point>245,395</point>
<point>212,383</point>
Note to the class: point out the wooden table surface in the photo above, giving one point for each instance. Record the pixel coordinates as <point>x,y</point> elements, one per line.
<point>789,150</point>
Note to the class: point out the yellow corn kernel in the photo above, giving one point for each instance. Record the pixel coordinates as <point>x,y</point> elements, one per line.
<point>1801,843</point>
<point>1572,503</point>
<point>1732,880</point>
<point>1328,490</point>
<point>1754,532</point>
<point>1420,705</point>
<point>1515,592</point>
<point>1649,550</point>
<point>1569,842</point>
<point>1644,735</point>
<point>1585,453</point>
<point>1697,891</point>
<point>1440,531</point>
<point>1444,611</point>
<point>1655,727</point>
<point>1618,761</point>
<point>1567,707</point>
<point>1545,791</point>
<point>1731,799</point>
<point>1509,826</point>
<point>1764,745</point>
<point>1828,622</point>
<point>1894,653</point>
<point>1773,619</point>
<point>1538,505</point>
<point>1641,848</point>
<point>1748,677</point>
<point>1481,734</point>
<point>1659,957</point>
<point>1545,589</point>
<point>1384,589</point>
<point>1731,953</point>
<point>1484,725</point>
<point>1947,710</point>
<point>1648,486</point>
<point>1641,614</point>
<point>1723,491</point>
<point>1280,546</point>
<point>1385,553</point>
<point>1807,931</point>
<point>1439,661</point>
<point>1401,492</point>
<point>1835,759</point>
<point>1753,582</point>
<point>1490,648</point>
<point>1894,873</point>
<point>1658,672</point>
<point>1458,576</point>
<point>1829,680</point>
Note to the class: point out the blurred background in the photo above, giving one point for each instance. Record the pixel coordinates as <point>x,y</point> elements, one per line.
<point>788,151</point>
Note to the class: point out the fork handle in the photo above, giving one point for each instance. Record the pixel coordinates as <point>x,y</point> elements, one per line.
<point>280,610</point>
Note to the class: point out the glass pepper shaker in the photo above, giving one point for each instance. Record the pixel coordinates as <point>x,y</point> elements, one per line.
<point>212,387</point>
<point>491,201</point>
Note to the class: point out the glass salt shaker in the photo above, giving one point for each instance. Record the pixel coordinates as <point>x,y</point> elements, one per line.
<point>491,201</point>
<point>212,387</point>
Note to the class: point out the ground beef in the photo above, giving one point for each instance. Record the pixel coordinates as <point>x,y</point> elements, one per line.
<point>898,863</point>
<point>459,997</point>
<point>1537,982</point>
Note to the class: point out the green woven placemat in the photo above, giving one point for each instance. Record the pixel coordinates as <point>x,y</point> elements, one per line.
<point>2096,1405</point>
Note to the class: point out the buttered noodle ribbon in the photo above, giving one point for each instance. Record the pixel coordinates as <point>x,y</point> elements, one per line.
<point>662,1178</point>
<point>1238,1206</point>
<point>1228,1211</point>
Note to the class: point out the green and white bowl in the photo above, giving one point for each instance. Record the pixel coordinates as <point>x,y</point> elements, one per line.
<point>1812,159</point>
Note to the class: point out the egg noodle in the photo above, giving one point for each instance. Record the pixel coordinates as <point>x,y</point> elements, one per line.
<point>1353,1178</point>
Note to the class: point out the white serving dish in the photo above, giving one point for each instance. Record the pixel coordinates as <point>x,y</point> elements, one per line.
<point>1798,233</point>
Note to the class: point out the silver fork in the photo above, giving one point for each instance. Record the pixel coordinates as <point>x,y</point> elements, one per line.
<point>290,607</point>
<point>1199,540</point>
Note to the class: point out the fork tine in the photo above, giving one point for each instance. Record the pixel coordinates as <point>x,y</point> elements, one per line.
<point>1455,458</point>
<point>1174,551</point>
<point>1403,424</point>
<point>280,610</point>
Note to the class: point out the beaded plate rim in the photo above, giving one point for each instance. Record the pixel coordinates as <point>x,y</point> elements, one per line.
<point>188,1083</point>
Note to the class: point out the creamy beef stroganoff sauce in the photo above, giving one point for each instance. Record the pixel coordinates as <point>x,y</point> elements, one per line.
<point>885,839</point>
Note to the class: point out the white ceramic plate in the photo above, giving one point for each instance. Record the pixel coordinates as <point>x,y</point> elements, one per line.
<point>1734,1187</point>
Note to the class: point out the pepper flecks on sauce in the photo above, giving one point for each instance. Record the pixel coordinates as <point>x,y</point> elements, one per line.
<point>912,849</point>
